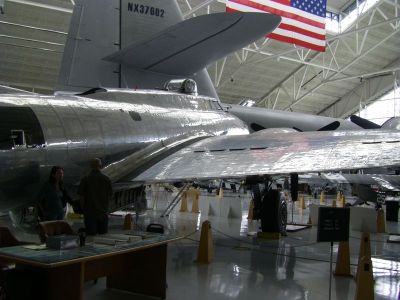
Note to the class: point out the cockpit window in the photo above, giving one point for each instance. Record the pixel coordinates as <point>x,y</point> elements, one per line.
<point>19,126</point>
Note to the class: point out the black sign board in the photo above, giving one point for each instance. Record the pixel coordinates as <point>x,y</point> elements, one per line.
<point>333,224</point>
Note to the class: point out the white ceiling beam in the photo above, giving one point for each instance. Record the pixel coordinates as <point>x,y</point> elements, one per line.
<point>333,59</point>
<point>287,93</point>
<point>196,8</point>
<point>276,99</point>
<point>24,85</point>
<point>338,36</point>
<point>238,58</point>
<point>342,70</point>
<point>395,4</point>
<point>302,82</point>
<point>34,48</point>
<point>221,71</point>
<point>33,27</point>
<point>365,75</point>
<point>41,5</point>
<point>385,17</point>
<point>303,62</point>
<point>29,40</point>
<point>330,40</point>
<point>350,32</point>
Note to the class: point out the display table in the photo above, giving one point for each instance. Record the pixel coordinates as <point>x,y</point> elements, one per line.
<point>138,267</point>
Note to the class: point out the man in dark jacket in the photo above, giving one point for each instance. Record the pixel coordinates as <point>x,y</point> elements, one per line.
<point>95,191</point>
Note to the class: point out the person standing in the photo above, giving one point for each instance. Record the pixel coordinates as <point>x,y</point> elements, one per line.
<point>95,191</point>
<point>53,197</point>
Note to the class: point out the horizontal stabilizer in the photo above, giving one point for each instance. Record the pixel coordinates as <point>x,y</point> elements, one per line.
<point>189,46</point>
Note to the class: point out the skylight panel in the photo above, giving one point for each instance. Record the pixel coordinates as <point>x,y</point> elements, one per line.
<point>334,26</point>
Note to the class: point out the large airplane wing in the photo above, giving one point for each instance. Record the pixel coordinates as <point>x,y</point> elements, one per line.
<point>386,182</point>
<point>271,152</point>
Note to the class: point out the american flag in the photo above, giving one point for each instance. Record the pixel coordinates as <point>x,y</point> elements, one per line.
<point>303,21</point>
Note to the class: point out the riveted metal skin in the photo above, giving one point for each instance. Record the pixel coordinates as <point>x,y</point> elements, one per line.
<point>114,125</point>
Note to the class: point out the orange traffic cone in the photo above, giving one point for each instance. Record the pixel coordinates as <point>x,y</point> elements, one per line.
<point>302,204</point>
<point>380,221</point>
<point>322,198</point>
<point>343,260</point>
<point>221,193</point>
<point>251,208</point>
<point>127,222</point>
<point>184,205</point>
<point>365,280</point>
<point>195,202</point>
<point>365,249</point>
<point>206,252</point>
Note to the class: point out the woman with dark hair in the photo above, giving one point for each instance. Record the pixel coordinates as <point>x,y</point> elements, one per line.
<point>53,196</point>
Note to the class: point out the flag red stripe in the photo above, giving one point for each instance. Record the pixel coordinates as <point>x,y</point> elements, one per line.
<point>279,12</point>
<point>302,31</point>
<point>295,41</point>
<point>284,2</point>
<point>228,9</point>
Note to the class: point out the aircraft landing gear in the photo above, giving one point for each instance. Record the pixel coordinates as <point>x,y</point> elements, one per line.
<point>269,205</point>
<point>273,212</point>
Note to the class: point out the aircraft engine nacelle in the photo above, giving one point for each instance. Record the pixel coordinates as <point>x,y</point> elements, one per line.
<point>186,86</point>
<point>392,123</point>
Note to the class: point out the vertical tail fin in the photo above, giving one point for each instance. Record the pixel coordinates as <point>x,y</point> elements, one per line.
<point>93,32</point>
<point>101,27</point>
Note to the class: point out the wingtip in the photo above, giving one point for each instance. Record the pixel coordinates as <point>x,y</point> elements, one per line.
<point>266,20</point>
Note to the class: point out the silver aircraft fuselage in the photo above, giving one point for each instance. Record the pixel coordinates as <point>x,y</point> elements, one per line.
<point>38,132</point>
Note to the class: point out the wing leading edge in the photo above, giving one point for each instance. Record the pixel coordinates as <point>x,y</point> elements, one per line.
<point>385,182</point>
<point>277,152</point>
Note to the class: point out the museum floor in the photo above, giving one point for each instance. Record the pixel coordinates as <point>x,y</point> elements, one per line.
<point>244,267</point>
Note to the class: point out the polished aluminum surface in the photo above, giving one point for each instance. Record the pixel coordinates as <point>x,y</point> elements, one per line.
<point>165,136</point>
<point>276,152</point>
<point>112,126</point>
<point>385,182</point>
<point>272,118</point>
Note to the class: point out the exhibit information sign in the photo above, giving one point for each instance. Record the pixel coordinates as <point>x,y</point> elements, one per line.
<point>333,224</point>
